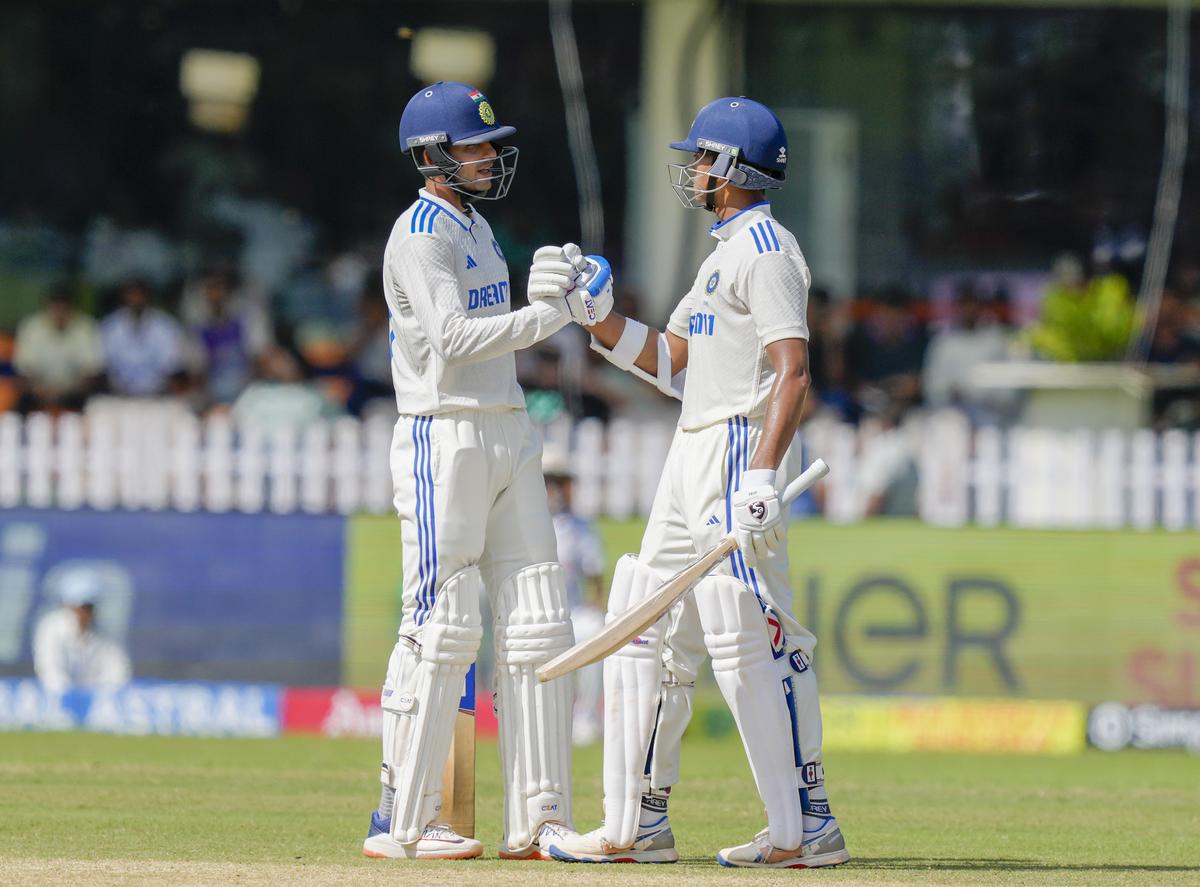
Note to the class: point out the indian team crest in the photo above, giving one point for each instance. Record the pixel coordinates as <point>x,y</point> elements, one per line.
<point>712,282</point>
<point>486,114</point>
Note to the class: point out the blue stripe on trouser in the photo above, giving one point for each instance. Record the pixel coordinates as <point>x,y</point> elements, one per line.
<point>430,507</point>
<point>746,467</point>
<point>790,693</point>
<point>426,535</point>
<point>419,485</point>
<point>730,461</point>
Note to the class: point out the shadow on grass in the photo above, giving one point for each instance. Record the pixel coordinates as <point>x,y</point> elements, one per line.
<point>1013,865</point>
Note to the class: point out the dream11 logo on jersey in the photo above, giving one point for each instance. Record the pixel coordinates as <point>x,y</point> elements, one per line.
<point>487,295</point>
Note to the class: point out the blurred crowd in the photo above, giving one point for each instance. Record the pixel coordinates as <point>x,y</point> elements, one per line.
<point>276,338</point>
<point>317,346</point>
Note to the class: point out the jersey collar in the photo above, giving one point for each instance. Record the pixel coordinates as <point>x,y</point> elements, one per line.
<point>739,220</point>
<point>466,222</point>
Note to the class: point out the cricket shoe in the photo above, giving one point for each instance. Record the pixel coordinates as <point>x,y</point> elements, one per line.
<point>548,833</point>
<point>825,847</point>
<point>438,841</point>
<point>654,843</point>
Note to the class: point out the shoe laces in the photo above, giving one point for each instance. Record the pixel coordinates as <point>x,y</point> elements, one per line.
<point>439,831</point>
<point>553,830</point>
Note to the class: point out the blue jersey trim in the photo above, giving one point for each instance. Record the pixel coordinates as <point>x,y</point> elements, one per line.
<point>738,213</point>
<point>771,231</point>
<point>446,213</point>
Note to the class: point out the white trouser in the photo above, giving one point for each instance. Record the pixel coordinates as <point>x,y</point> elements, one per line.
<point>469,492</point>
<point>691,512</point>
<point>472,503</point>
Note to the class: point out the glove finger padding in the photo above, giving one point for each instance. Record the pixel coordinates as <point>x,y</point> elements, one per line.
<point>550,253</point>
<point>575,256</point>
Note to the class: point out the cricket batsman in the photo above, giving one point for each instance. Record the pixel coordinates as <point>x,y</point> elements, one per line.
<point>466,467</point>
<point>742,334</point>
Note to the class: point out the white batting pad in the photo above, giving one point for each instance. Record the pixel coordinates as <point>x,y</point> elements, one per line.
<point>533,625</point>
<point>632,686</point>
<point>420,700</point>
<point>756,684</point>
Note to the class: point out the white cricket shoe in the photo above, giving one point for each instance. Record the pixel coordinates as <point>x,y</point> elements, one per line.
<point>438,841</point>
<point>826,847</point>
<point>653,844</point>
<point>549,833</point>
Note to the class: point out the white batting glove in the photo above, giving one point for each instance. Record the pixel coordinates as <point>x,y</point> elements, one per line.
<point>758,519</point>
<point>592,298</point>
<point>551,276</point>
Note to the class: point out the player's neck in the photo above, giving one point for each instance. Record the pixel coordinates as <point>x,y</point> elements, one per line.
<point>734,200</point>
<point>448,194</point>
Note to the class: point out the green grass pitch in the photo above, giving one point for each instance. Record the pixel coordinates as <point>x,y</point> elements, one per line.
<point>85,809</point>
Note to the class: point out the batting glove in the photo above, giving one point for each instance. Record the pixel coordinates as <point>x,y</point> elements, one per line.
<point>758,519</point>
<point>551,276</point>
<point>592,298</point>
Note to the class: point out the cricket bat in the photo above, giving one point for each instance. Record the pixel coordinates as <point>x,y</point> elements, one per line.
<point>458,779</point>
<point>638,618</point>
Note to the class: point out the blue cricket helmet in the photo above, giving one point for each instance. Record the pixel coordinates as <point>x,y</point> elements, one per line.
<point>450,113</point>
<point>747,137</point>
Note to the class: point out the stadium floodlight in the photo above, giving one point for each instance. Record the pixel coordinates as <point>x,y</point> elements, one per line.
<point>219,87</point>
<point>466,56</point>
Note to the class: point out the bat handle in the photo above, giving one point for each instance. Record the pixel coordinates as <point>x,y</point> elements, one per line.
<point>808,477</point>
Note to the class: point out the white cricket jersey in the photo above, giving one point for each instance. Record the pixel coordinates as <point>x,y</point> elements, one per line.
<point>751,291</point>
<point>453,332</point>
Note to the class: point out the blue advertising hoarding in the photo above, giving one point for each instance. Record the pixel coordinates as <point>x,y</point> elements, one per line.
<point>218,597</point>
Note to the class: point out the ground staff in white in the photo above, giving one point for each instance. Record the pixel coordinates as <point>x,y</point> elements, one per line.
<point>741,333</point>
<point>466,465</point>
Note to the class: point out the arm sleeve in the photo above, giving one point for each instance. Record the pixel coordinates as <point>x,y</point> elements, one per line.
<point>423,266</point>
<point>678,322</point>
<point>775,289</point>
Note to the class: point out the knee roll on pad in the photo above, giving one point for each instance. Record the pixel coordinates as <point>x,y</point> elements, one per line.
<point>759,693</point>
<point>633,679</point>
<point>420,699</point>
<point>533,625</point>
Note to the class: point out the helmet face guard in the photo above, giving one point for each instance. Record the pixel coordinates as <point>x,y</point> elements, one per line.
<point>504,167</point>
<point>684,176</point>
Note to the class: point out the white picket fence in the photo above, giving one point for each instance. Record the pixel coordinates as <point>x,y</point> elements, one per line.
<point>158,456</point>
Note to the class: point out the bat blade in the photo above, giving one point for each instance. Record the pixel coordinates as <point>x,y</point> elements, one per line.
<point>458,779</point>
<point>637,619</point>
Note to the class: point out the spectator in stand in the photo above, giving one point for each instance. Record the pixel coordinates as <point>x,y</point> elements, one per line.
<point>885,352</point>
<point>59,356</point>
<point>977,337</point>
<point>370,352</point>
<point>280,398</point>
<point>230,335</point>
<point>10,389</point>
<point>144,347</point>
<point>1173,341</point>
<point>827,358</point>
<point>68,652</point>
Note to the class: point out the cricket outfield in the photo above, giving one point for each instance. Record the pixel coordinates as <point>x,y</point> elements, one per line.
<point>97,809</point>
